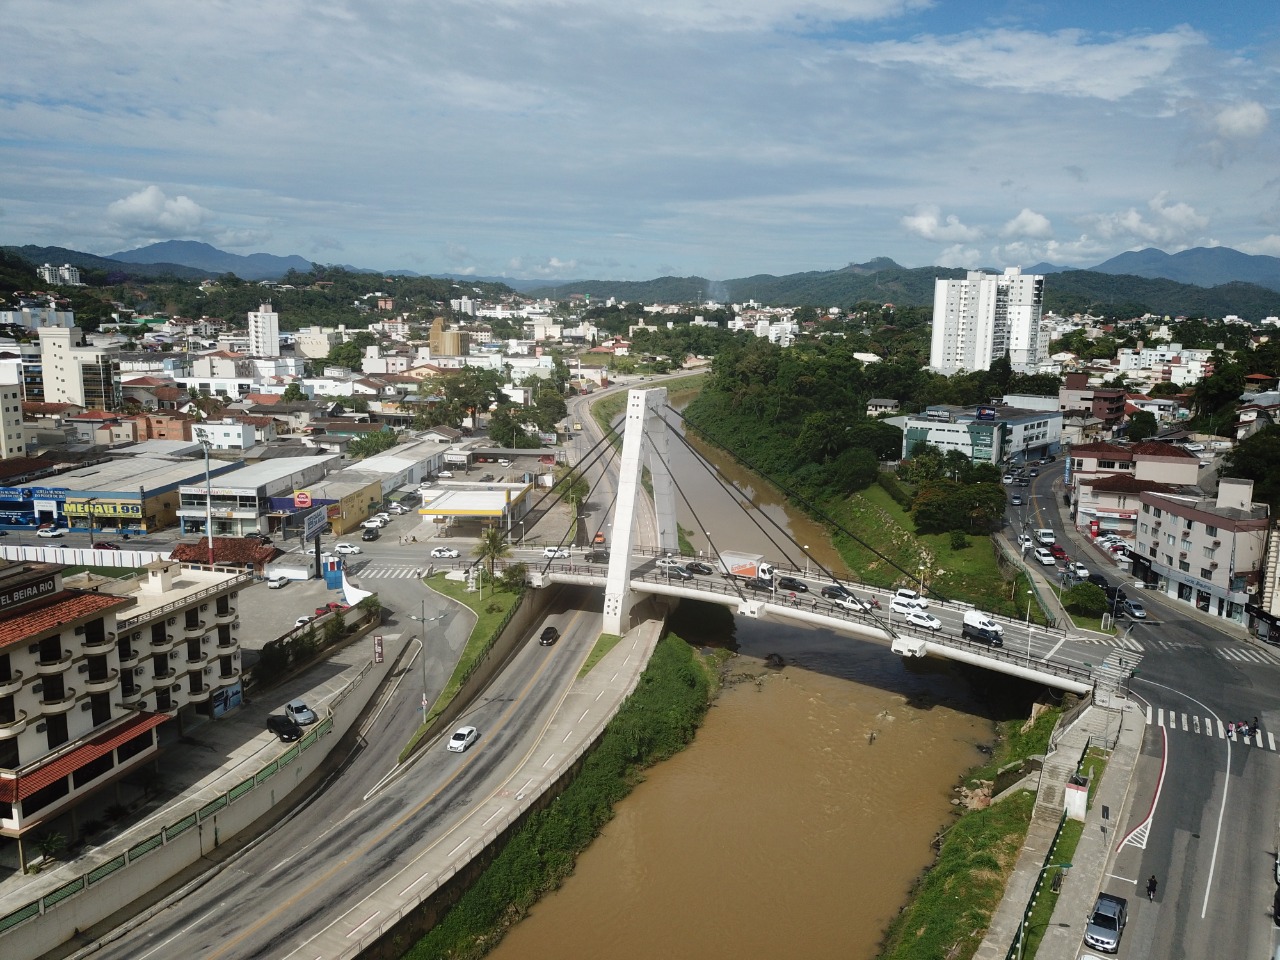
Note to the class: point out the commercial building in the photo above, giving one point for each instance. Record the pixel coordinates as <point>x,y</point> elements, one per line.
<point>985,434</point>
<point>1077,398</point>
<point>984,317</point>
<point>1105,480</point>
<point>87,675</point>
<point>264,331</point>
<point>1205,551</point>
<point>259,498</point>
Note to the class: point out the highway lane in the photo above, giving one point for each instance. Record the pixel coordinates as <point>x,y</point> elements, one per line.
<point>312,877</point>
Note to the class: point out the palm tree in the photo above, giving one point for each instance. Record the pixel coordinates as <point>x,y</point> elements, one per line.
<point>492,548</point>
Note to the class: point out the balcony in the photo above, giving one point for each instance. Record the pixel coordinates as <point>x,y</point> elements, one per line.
<point>12,685</point>
<point>194,663</point>
<point>159,679</point>
<point>51,668</point>
<point>227,679</point>
<point>232,644</point>
<point>61,705</point>
<point>11,728</point>
<point>109,682</point>
<point>193,628</point>
<point>162,644</point>
<point>129,658</point>
<point>199,696</point>
<point>225,616</point>
<point>105,642</point>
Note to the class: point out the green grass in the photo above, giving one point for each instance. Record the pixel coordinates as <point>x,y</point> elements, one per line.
<point>953,902</point>
<point>1016,741</point>
<point>604,643</point>
<point>1042,913</point>
<point>1093,767</point>
<point>490,613</point>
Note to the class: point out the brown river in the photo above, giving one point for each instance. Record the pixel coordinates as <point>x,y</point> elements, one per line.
<point>796,822</point>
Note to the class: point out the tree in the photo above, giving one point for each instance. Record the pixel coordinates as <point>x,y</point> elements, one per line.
<point>293,394</point>
<point>1257,458</point>
<point>1087,599</point>
<point>371,444</point>
<point>492,547</point>
<point>1142,425</point>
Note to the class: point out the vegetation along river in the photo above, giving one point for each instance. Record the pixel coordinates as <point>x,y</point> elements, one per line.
<point>797,821</point>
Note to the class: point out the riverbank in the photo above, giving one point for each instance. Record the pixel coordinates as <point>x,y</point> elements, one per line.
<point>658,720</point>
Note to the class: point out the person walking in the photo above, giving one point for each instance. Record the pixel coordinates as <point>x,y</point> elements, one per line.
<point>1151,888</point>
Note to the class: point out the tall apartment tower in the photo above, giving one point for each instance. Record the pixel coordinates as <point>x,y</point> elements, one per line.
<point>264,332</point>
<point>72,370</point>
<point>12,442</point>
<point>983,317</point>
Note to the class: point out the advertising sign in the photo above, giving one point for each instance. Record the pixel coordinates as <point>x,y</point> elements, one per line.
<point>313,524</point>
<point>32,590</point>
<point>377,649</point>
<point>302,499</point>
<point>986,413</point>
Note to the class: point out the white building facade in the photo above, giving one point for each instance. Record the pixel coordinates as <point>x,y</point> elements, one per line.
<point>264,331</point>
<point>978,319</point>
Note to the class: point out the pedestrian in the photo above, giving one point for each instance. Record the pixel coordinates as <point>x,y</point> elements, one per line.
<point>1151,888</point>
<point>1231,728</point>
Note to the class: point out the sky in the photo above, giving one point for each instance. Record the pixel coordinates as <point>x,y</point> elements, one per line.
<point>599,139</point>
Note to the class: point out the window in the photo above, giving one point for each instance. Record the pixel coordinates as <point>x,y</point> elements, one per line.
<point>1170,539</point>
<point>1106,464</point>
<point>1143,527</point>
<point>1168,559</point>
<point>1184,566</point>
<point>1209,552</point>
<point>1156,512</point>
<point>1210,530</point>
<point>1206,573</point>
<point>1186,544</point>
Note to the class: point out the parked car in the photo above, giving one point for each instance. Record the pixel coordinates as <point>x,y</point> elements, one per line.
<point>333,606</point>
<point>345,548</point>
<point>302,621</point>
<point>284,728</point>
<point>549,636</point>
<point>49,533</point>
<point>260,537</point>
<point>299,712</point>
<point>103,545</point>
<point>918,618</point>
<point>444,553</point>
<point>445,475</point>
<point>834,591</point>
<point>793,585</point>
<point>555,553</point>
<point>504,462</point>
<point>398,508</point>
<point>1106,923</point>
<point>1045,557</point>
<point>1134,609</point>
<point>276,581</point>
<point>373,523</point>
<point>369,533</point>
<point>694,566</point>
<point>462,738</point>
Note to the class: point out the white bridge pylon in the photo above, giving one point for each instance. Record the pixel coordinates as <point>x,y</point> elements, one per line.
<point>644,443</point>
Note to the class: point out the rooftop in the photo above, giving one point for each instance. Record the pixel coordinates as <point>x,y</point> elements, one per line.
<point>69,607</point>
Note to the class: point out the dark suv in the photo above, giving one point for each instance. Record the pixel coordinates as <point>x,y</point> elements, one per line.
<point>596,556</point>
<point>549,636</point>
<point>369,533</point>
<point>834,591</point>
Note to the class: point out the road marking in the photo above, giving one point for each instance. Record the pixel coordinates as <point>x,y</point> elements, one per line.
<point>599,695</point>
<point>365,924</point>
<point>1184,722</point>
<point>1161,715</point>
<point>1148,714</point>
<point>548,760</point>
<point>568,734</point>
<point>415,883</point>
<point>1195,723</point>
<point>584,714</point>
<point>189,926</point>
<point>496,813</point>
<point>460,845</point>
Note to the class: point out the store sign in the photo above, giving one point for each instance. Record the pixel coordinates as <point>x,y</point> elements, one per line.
<point>377,649</point>
<point>32,493</point>
<point>26,592</point>
<point>302,499</point>
<point>103,508</point>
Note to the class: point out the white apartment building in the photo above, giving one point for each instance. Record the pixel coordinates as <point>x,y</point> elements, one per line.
<point>65,275</point>
<point>264,331</point>
<point>225,434</point>
<point>980,318</point>
<point>87,675</point>
<point>35,317</point>
<point>74,371</point>
<point>315,343</point>
<point>12,440</point>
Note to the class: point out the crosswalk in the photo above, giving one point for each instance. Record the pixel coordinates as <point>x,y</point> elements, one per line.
<point>376,571</point>
<point>1207,726</point>
<point>1238,653</point>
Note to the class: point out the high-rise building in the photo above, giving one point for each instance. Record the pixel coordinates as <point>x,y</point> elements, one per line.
<point>65,275</point>
<point>12,443</point>
<point>75,371</point>
<point>984,316</point>
<point>264,332</point>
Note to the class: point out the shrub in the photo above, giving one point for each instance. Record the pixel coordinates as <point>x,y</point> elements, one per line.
<point>895,489</point>
<point>959,540</point>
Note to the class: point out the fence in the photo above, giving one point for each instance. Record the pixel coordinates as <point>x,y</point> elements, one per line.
<point>1016,947</point>
<point>139,850</point>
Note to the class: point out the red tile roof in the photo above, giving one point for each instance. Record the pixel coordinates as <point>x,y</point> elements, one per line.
<point>70,605</point>
<point>227,550</point>
<point>1123,483</point>
<point>148,382</point>
<point>171,393</point>
<point>96,415</point>
<point>1154,448</point>
<point>263,399</point>
<point>1101,447</point>
<point>46,409</point>
<point>19,788</point>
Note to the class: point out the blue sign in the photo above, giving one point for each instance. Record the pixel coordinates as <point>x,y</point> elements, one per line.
<point>33,493</point>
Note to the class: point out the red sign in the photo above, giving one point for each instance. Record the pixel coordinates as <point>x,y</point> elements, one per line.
<point>302,499</point>
<point>377,649</point>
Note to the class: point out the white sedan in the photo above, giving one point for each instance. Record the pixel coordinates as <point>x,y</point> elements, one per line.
<point>462,738</point>
<point>918,618</point>
<point>555,553</point>
<point>50,532</point>
<point>670,562</point>
<point>444,553</point>
<point>345,548</point>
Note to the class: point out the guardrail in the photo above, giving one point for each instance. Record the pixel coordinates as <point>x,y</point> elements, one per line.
<point>1016,947</point>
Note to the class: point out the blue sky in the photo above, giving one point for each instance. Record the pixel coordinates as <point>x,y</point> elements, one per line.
<point>598,139</point>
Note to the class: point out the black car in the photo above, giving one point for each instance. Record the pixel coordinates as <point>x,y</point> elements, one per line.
<point>549,636</point>
<point>596,556</point>
<point>676,573</point>
<point>833,591</point>
<point>792,584</point>
<point>369,533</point>
<point>260,537</point>
<point>1098,580</point>
<point>284,728</point>
<point>1116,595</point>
<point>1022,482</point>
<point>700,568</point>
<point>755,583</point>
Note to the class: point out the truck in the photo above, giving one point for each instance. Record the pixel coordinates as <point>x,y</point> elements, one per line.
<point>747,565</point>
<point>1106,923</point>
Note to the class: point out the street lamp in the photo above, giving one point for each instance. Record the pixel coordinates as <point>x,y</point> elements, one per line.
<point>202,437</point>
<point>1027,625</point>
<point>921,569</point>
<point>805,548</point>
<point>1022,926</point>
<point>424,620</point>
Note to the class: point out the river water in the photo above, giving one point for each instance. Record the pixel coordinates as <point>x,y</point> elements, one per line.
<point>796,822</point>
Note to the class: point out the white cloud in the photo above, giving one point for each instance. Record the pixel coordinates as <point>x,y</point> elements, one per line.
<point>1241,121</point>
<point>150,213</point>
<point>1268,246</point>
<point>1164,223</point>
<point>927,223</point>
<point>959,256</point>
<point>724,15</point>
<point>1029,224</point>
<point>542,267</point>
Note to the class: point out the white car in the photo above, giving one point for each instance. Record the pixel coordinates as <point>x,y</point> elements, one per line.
<point>903,605</point>
<point>276,582</point>
<point>669,562</point>
<point>852,604</point>
<point>502,462</point>
<point>445,475</point>
<point>1045,557</point>
<point>373,523</point>
<point>1007,478</point>
<point>345,548</point>
<point>1024,541</point>
<point>1078,570</point>
<point>302,621</point>
<point>918,618</point>
<point>398,508</point>
<point>555,553</point>
<point>383,516</point>
<point>462,738</point>
<point>50,532</point>
<point>444,553</point>
<point>904,594</point>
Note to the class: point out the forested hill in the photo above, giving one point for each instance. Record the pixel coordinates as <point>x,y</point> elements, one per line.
<point>1071,291</point>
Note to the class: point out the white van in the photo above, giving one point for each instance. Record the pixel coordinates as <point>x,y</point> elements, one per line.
<point>981,621</point>
<point>902,593</point>
<point>1046,537</point>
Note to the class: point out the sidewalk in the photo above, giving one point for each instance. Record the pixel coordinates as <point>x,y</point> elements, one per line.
<point>1123,723</point>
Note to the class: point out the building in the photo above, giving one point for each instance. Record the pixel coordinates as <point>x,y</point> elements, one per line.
<point>33,316</point>
<point>253,499</point>
<point>448,343</point>
<point>87,675</point>
<point>264,331</point>
<point>985,434</point>
<point>1205,551</point>
<point>984,317</point>
<point>1077,398</point>
<point>65,275</point>
<point>74,371</point>
<point>13,441</point>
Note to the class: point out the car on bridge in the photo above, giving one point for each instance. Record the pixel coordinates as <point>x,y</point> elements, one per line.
<point>284,728</point>
<point>902,593</point>
<point>444,553</point>
<point>904,605</point>
<point>596,556</point>
<point>927,621</point>
<point>792,584</point>
<point>677,571</point>
<point>299,712</point>
<point>462,738</point>
<point>755,583</point>
<point>696,566</point>
<point>852,604</point>
<point>833,591</point>
<point>669,561</point>
<point>555,553</point>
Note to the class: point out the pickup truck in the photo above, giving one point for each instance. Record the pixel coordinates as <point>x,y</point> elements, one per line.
<point>1106,923</point>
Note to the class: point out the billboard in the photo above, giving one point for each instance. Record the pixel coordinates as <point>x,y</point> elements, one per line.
<point>313,523</point>
<point>986,413</point>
